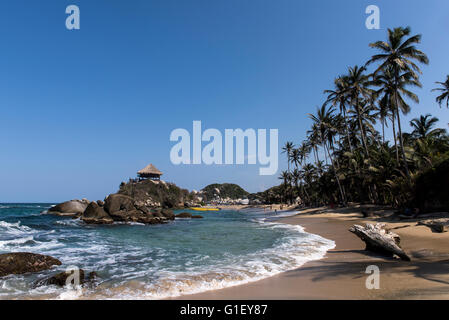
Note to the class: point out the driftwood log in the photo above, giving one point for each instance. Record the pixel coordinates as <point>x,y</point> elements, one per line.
<point>378,239</point>
<point>436,225</point>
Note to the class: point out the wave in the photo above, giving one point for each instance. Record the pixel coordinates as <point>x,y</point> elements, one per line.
<point>28,244</point>
<point>290,253</point>
<point>14,228</point>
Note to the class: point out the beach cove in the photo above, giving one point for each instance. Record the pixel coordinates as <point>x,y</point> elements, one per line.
<point>341,273</point>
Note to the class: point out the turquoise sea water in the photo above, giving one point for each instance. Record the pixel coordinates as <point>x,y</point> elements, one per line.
<point>136,261</point>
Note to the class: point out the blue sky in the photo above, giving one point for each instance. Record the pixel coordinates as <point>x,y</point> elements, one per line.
<point>81,111</point>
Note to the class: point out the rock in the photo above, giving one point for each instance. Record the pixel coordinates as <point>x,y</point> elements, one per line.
<point>168,213</point>
<point>69,208</point>
<point>123,208</point>
<point>184,215</point>
<point>92,280</point>
<point>197,217</point>
<point>436,225</point>
<point>115,203</point>
<point>23,262</point>
<point>59,279</point>
<point>100,203</point>
<point>157,213</point>
<point>92,276</point>
<point>95,214</point>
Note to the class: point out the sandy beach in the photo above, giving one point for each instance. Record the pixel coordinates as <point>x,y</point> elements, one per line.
<point>341,274</point>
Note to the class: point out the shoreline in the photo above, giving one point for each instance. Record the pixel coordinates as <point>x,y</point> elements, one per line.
<point>341,273</point>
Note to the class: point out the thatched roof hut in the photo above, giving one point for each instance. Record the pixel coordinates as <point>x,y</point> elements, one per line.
<point>150,172</point>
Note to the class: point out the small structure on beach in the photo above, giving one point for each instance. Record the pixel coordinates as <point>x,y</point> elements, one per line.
<point>149,172</point>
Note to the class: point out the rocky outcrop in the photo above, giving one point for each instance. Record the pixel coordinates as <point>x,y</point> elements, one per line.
<point>151,193</point>
<point>197,217</point>
<point>119,207</point>
<point>116,207</point>
<point>70,208</point>
<point>95,214</point>
<point>24,262</point>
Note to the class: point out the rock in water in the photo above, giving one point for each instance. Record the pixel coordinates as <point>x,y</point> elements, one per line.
<point>184,215</point>
<point>96,214</point>
<point>115,203</point>
<point>197,217</point>
<point>70,208</point>
<point>23,262</point>
<point>59,279</point>
<point>123,208</point>
<point>168,213</point>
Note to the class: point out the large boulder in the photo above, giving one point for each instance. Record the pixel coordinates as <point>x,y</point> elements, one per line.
<point>96,214</point>
<point>115,203</point>
<point>23,262</point>
<point>70,208</point>
<point>123,208</point>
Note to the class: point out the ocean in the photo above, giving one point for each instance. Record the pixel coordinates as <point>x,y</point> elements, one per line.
<point>135,261</point>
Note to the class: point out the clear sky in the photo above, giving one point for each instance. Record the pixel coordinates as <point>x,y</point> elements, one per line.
<point>83,110</point>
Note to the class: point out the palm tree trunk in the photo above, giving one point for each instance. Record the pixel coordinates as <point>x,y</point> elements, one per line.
<point>362,131</point>
<point>347,129</point>
<point>333,152</point>
<point>343,198</point>
<point>394,136</point>
<point>317,160</point>
<point>401,142</point>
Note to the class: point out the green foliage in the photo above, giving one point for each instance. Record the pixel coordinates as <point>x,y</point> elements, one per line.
<point>359,165</point>
<point>226,190</point>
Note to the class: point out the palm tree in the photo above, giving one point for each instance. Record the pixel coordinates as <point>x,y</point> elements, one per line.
<point>287,149</point>
<point>392,89</point>
<point>295,157</point>
<point>444,92</point>
<point>383,113</point>
<point>285,176</point>
<point>296,176</point>
<point>339,96</point>
<point>358,87</point>
<point>399,54</point>
<point>313,141</point>
<point>323,123</point>
<point>422,127</point>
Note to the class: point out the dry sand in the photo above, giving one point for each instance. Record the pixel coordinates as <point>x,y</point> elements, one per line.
<point>341,274</point>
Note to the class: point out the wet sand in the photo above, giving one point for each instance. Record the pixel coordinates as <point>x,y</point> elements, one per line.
<point>341,274</point>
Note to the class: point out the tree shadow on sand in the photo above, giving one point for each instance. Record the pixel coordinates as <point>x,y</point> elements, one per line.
<point>435,271</point>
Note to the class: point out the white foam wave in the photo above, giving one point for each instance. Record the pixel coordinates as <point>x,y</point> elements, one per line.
<point>14,228</point>
<point>290,253</point>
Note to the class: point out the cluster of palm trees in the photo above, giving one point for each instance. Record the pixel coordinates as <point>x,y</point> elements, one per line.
<point>359,163</point>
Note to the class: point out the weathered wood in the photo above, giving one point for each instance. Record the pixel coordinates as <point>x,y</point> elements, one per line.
<point>378,239</point>
<point>436,225</point>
